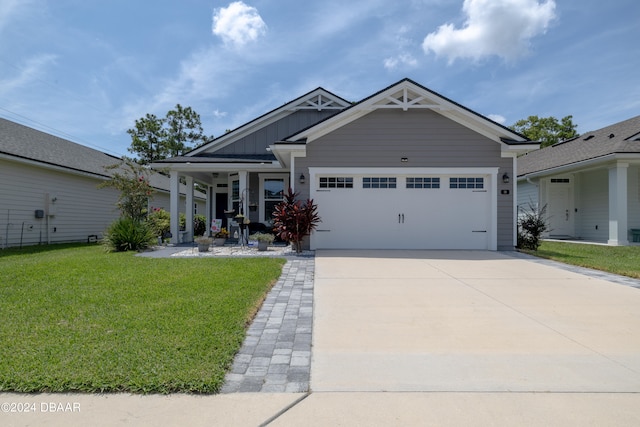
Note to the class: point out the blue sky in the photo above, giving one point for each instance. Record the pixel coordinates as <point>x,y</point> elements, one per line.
<point>87,69</point>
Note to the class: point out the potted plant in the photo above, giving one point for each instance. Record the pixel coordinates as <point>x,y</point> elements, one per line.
<point>220,237</point>
<point>263,239</point>
<point>203,243</point>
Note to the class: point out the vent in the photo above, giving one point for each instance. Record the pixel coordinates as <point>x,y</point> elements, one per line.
<point>588,138</point>
<point>611,135</point>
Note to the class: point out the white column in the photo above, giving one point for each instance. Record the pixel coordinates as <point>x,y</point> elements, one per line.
<point>244,192</point>
<point>174,197</point>
<point>189,209</point>
<point>618,205</point>
<point>211,206</point>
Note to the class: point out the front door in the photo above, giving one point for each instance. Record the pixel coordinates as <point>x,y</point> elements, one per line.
<point>560,202</point>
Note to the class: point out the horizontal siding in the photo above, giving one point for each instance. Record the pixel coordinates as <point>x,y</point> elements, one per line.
<point>593,208</point>
<point>81,209</point>
<point>426,138</point>
<point>527,195</point>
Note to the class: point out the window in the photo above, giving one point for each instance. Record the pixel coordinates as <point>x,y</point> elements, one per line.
<point>235,196</point>
<point>336,182</point>
<point>559,180</point>
<point>378,182</point>
<point>273,193</point>
<point>420,182</point>
<point>463,182</point>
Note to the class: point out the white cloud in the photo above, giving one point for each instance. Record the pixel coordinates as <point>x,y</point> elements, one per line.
<point>238,24</point>
<point>404,59</point>
<point>219,114</point>
<point>493,27</point>
<point>32,70</point>
<point>497,118</point>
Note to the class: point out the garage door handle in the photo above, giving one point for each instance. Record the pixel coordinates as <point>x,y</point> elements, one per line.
<point>403,218</point>
<point>478,231</point>
<point>400,218</point>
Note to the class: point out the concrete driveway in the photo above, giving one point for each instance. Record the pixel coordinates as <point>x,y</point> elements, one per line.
<point>469,321</point>
<point>468,338</point>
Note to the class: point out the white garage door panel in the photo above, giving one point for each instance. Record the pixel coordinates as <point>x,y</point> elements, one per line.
<point>403,218</point>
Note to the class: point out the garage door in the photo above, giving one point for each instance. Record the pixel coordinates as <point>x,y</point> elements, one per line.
<point>424,209</point>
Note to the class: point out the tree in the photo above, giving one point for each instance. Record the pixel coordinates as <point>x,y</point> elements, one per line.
<point>148,139</point>
<point>546,129</point>
<point>132,180</point>
<point>295,219</point>
<point>155,138</point>
<point>184,130</point>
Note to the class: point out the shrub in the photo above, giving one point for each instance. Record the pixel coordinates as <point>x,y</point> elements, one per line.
<point>531,225</point>
<point>126,234</point>
<point>160,222</point>
<point>199,225</point>
<point>293,219</point>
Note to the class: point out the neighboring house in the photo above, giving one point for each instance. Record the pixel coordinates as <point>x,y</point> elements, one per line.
<point>590,184</point>
<point>48,189</point>
<point>403,168</point>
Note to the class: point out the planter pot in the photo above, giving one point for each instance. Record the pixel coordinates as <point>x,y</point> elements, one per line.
<point>219,241</point>
<point>203,247</point>
<point>262,246</point>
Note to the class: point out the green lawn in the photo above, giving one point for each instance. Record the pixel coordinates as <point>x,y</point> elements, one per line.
<point>75,318</point>
<point>623,260</point>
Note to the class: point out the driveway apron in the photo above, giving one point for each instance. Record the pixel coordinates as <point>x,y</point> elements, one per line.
<point>469,321</point>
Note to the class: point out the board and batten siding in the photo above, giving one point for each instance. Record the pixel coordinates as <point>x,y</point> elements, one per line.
<point>257,142</point>
<point>427,139</point>
<point>633,199</point>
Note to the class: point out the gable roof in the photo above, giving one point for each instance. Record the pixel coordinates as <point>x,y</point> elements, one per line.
<point>619,138</point>
<point>407,94</point>
<point>317,99</point>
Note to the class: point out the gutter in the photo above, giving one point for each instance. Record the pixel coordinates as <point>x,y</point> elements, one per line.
<point>580,164</point>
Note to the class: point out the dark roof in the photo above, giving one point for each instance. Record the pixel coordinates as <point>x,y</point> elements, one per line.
<point>622,137</point>
<point>31,144</point>
<point>221,158</point>
<point>23,142</point>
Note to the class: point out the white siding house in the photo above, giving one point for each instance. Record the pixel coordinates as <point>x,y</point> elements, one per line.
<point>49,189</point>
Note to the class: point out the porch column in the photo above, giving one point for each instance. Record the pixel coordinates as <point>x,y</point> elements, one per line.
<point>211,206</point>
<point>618,205</point>
<point>174,197</point>
<point>189,209</point>
<point>244,192</point>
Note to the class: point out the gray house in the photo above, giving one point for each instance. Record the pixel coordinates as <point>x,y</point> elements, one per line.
<point>48,189</point>
<point>590,184</point>
<point>405,168</point>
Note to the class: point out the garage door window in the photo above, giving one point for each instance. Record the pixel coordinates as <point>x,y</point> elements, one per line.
<point>463,182</point>
<point>378,182</point>
<point>336,182</point>
<point>423,182</point>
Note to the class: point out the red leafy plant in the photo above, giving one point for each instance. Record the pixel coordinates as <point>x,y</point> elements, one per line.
<point>294,219</point>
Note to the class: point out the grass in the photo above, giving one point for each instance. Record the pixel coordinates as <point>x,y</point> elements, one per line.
<point>75,318</point>
<point>622,260</point>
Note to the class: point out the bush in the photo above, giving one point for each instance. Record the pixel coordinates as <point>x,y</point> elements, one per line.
<point>199,225</point>
<point>126,234</point>
<point>531,225</point>
<point>160,222</point>
<point>293,219</point>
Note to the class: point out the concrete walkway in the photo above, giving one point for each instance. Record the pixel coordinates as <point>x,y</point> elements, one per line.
<point>426,338</point>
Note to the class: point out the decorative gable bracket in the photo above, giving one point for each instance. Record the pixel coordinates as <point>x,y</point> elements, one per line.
<point>319,102</point>
<point>406,99</point>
